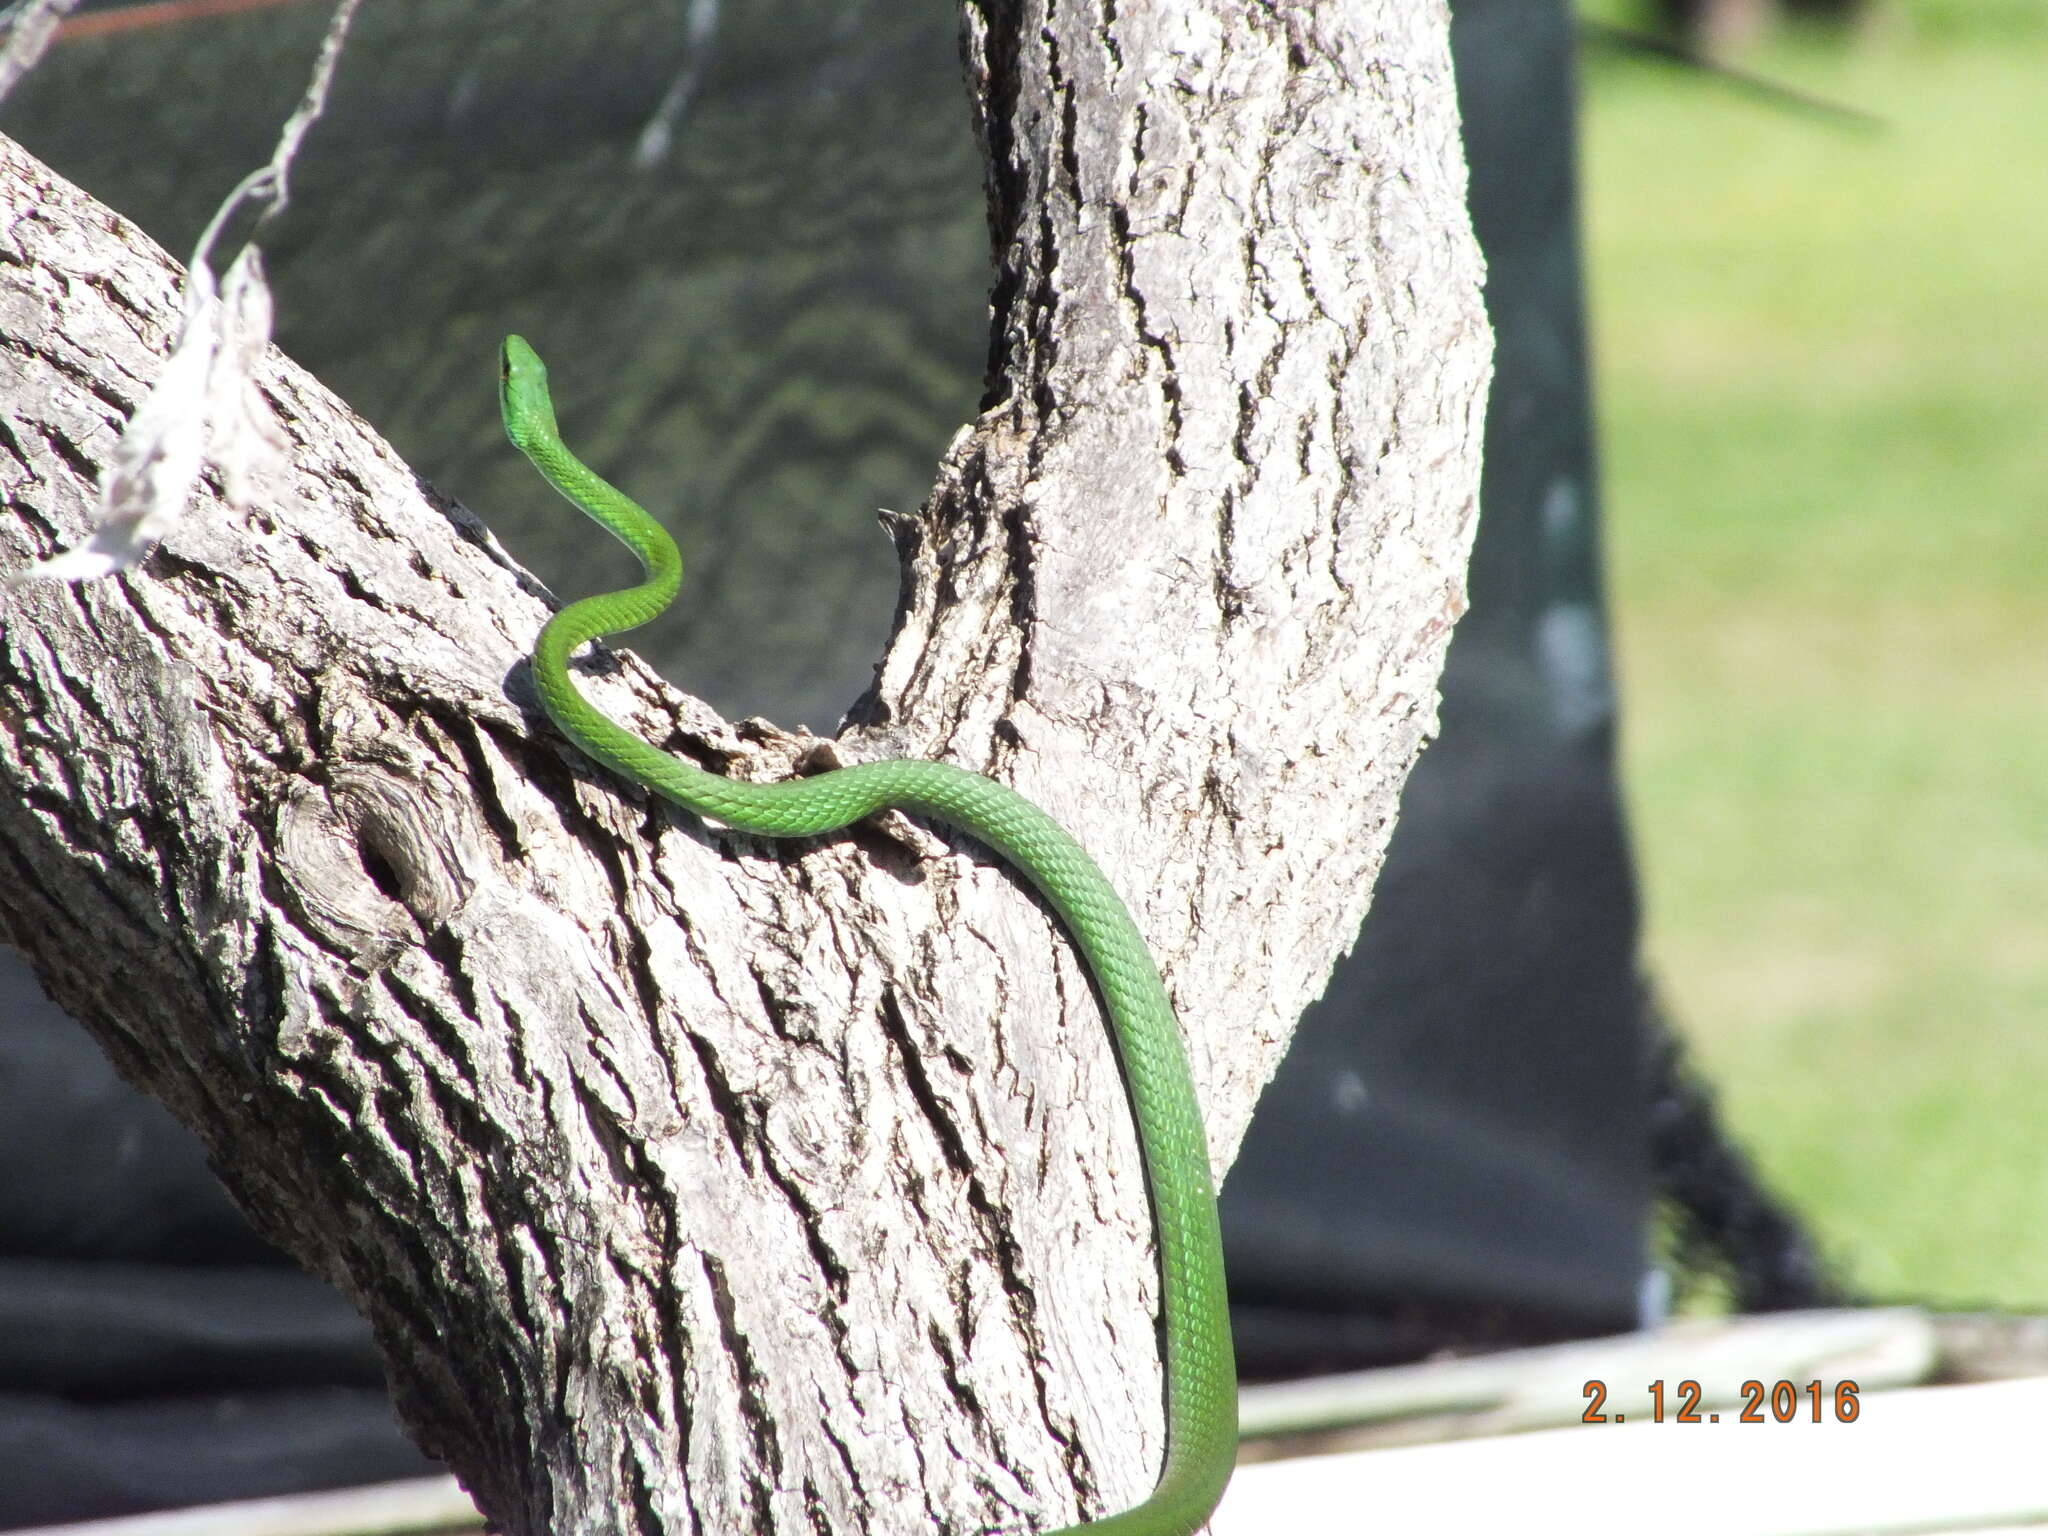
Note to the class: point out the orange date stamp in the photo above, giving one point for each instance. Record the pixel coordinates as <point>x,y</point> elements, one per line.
<point>1779,1402</point>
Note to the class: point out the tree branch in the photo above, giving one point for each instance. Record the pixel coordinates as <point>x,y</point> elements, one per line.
<point>696,1182</point>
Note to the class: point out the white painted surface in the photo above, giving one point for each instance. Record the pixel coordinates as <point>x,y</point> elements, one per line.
<point>1930,1459</point>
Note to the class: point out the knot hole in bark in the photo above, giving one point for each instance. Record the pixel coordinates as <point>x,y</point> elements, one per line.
<point>373,860</point>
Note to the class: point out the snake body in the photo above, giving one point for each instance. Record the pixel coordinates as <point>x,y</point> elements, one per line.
<point>1201,1381</point>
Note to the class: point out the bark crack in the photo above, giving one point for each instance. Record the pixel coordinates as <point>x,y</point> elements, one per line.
<point>763,1473</point>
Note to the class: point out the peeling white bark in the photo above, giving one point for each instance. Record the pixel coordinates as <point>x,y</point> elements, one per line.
<point>695,1182</point>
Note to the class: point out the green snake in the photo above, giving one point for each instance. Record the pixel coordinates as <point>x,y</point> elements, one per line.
<point>1201,1377</point>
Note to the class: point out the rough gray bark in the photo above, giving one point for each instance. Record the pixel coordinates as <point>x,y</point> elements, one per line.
<point>695,1182</point>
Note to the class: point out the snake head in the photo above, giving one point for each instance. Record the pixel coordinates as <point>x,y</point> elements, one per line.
<point>523,396</point>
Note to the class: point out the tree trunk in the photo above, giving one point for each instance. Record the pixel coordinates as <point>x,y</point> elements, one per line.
<point>697,1182</point>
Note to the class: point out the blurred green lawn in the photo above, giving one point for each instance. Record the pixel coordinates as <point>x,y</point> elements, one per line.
<point>1823,386</point>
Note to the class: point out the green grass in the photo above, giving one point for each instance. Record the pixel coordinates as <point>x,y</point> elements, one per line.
<point>1823,372</point>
